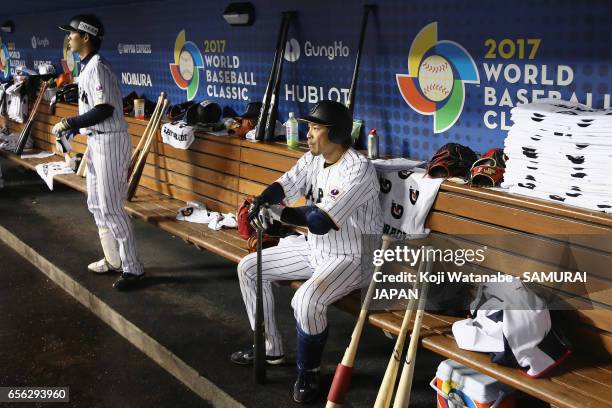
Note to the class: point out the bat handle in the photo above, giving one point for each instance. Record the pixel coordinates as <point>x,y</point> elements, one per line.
<point>402,398</point>
<point>339,386</point>
<point>383,399</point>
<point>259,365</point>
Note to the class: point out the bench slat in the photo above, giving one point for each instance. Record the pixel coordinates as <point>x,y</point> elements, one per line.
<point>521,219</point>
<point>546,206</point>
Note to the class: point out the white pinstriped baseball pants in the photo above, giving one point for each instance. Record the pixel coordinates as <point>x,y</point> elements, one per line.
<point>108,158</point>
<point>329,278</point>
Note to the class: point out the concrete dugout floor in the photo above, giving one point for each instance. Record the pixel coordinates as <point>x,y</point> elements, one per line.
<point>191,306</point>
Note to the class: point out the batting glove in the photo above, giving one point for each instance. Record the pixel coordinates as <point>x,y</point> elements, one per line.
<point>62,142</point>
<point>60,126</point>
<point>267,215</point>
<point>256,204</point>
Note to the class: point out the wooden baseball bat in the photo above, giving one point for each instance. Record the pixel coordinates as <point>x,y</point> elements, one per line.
<point>145,134</point>
<point>273,109</point>
<point>404,388</point>
<point>25,132</point>
<point>367,8</point>
<point>142,159</point>
<point>83,165</point>
<point>260,129</point>
<point>344,370</point>
<point>383,399</point>
<point>259,365</point>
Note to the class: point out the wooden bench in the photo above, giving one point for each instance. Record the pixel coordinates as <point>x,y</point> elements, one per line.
<point>221,171</point>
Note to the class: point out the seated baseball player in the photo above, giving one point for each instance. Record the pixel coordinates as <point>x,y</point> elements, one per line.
<point>341,189</point>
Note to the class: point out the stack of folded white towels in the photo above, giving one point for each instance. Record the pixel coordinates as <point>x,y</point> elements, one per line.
<point>561,151</point>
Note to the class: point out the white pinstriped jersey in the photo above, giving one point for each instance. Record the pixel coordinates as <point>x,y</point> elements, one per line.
<point>347,191</point>
<point>98,85</point>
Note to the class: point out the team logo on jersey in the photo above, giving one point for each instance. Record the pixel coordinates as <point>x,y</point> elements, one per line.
<point>187,64</point>
<point>414,195</point>
<point>404,174</point>
<point>397,210</point>
<point>385,185</point>
<point>70,63</point>
<point>437,73</point>
<point>4,61</point>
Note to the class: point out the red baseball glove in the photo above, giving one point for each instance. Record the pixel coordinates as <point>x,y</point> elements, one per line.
<point>488,171</point>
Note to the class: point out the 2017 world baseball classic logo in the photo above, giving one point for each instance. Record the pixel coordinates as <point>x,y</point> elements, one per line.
<point>187,64</point>
<point>4,61</point>
<point>70,62</point>
<point>437,73</point>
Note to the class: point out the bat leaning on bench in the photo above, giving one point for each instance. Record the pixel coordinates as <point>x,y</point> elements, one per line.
<point>136,153</point>
<point>344,370</point>
<point>134,176</point>
<point>25,132</point>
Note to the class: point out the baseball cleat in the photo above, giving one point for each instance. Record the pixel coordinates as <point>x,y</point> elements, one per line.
<point>102,266</point>
<point>306,388</point>
<point>128,281</point>
<point>247,357</point>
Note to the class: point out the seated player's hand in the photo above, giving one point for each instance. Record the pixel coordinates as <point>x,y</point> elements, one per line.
<point>274,212</point>
<point>254,209</point>
<point>60,126</point>
<point>266,216</point>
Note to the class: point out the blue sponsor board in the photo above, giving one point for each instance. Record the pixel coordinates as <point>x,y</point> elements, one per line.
<point>432,71</point>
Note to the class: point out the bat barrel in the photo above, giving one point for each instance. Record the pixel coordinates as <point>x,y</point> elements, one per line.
<point>260,129</point>
<point>275,98</point>
<point>25,132</point>
<point>364,22</point>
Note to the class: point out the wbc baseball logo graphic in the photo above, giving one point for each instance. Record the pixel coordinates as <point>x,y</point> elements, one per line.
<point>70,64</point>
<point>4,61</point>
<point>187,64</point>
<point>437,73</point>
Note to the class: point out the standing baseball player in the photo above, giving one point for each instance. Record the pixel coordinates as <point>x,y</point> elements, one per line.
<point>341,188</point>
<point>109,147</point>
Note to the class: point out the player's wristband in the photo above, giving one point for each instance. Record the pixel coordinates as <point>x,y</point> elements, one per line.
<point>310,216</point>
<point>294,216</point>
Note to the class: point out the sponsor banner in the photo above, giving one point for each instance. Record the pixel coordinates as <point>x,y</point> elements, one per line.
<point>445,71</point>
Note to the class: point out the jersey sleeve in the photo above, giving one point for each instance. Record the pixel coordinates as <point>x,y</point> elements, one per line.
<point>99,85</point>
<point>294,181</point>
<point>357,185</point>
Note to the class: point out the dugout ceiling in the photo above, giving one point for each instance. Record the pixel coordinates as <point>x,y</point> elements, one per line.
<point>432,71</point>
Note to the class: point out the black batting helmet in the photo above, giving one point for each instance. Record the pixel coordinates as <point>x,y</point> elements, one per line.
<point>85,23</point>
<point>334,115</point>
<point>205,112</point>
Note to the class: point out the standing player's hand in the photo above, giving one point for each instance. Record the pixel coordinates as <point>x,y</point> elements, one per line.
<point>60,127</point>
<point>62,142</point>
